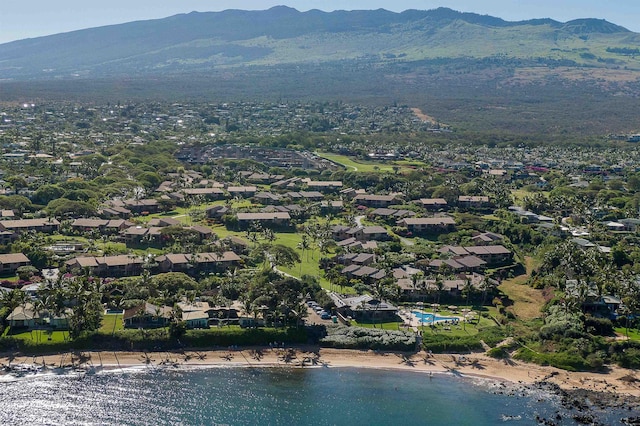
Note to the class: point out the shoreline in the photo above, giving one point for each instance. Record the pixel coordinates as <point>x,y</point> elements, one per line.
<point>471,365</point>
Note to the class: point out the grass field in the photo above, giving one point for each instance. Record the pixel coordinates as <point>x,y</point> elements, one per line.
<point>527,301</point>
<point>370,167</point>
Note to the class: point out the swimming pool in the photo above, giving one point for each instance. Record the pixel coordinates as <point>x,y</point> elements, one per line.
<point>426,318</point>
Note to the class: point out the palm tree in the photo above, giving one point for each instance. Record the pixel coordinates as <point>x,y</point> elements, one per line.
<point>439,287</point>
<point>415,279</point>
<point>303,245</point>
<point>38,310</point>
<point>467,290</point>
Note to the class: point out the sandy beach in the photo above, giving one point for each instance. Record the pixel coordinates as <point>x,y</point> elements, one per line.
<point>614,381</point>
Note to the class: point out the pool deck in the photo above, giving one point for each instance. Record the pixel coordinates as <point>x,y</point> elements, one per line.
<point>412,321</point>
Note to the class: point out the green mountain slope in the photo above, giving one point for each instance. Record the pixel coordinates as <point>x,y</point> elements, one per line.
<point>202,42</point>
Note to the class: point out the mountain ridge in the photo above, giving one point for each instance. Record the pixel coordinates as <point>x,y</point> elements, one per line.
<point>199,41</point>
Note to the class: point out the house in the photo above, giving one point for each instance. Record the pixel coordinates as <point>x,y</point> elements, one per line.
<point>203,232</point>
<point>147,315</point>
<point>242,191</point>
<point>329,206</point>
<point>368,233</point>
<point>219,315</point>
<point>364,273</point>
<point>356,259</point>
<point>473,201</point>
<point>216,212</point>
<point>262,177</point>
<point>23,316</point>
<point>370,200</point>
<point>267,198</point>
<point>107,266</point>
<point>339,232</point>
<point>46,225</point>
<point>433,204</point>
<point>100,225</point>
<point>197,262</point>
<point>206,193</point>
<point>364,308</point>
<point>115,212</point>
<point>6,237</point>
<point>487,238</point>
<point>163,222</point>
<point>468,263</point>
<point>324,186</point>
<point>630,224</point>
<point>311,195</point>
<point>27,316</point>
<point>497,254</point>
<point>9,263</point>
<point>419,225</point>
<point>195,315</point>
<point>143,206</point>
<point>391,214</point>
<point>265,219</point>
<point>134,235</point>
<point>236,244</point>
<point>353,244</point>
<point>583,243</point>
<point>7,214</point>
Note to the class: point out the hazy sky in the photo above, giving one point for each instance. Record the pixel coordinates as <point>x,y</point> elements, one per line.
<point>32,18</point>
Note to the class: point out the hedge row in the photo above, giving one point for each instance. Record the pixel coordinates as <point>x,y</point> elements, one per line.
<point>343,337</point>
<point>159,340</point>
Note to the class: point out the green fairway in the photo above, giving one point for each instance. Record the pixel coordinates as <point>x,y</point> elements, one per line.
<point>369,166</point>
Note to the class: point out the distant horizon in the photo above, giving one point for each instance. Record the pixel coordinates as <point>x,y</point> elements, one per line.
<point>38,18</point>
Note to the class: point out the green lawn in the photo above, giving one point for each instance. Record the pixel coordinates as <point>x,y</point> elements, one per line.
<point>385,325</point>
<point>358,166</point>
<point>41,337</point>
<point>111,323</point>
<point>634,334</point>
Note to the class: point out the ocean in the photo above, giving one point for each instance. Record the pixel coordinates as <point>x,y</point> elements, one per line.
<point>273,396</point>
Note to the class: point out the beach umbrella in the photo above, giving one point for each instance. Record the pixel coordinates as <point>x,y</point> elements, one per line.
<point>452,308</point>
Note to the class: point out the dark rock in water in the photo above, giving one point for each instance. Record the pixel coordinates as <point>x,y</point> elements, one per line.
<point>584,419</point>
<point>632,421</point>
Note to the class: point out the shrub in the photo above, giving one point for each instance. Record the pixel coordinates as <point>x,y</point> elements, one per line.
<point>461,344</point>
<point>368,338</point>
<point>491,335</point>
<point>626,354</point>
<point>599,326</point>
<point>564,360</point>
<point>499,353</point>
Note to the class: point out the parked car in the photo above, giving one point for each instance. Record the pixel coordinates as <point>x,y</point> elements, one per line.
<point>325,316</point>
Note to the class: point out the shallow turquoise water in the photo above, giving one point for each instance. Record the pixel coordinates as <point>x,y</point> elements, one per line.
<point>276,396</point>
<point>427,318</point>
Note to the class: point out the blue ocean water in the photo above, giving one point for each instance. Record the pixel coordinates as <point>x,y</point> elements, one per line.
<point>270,396</point>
